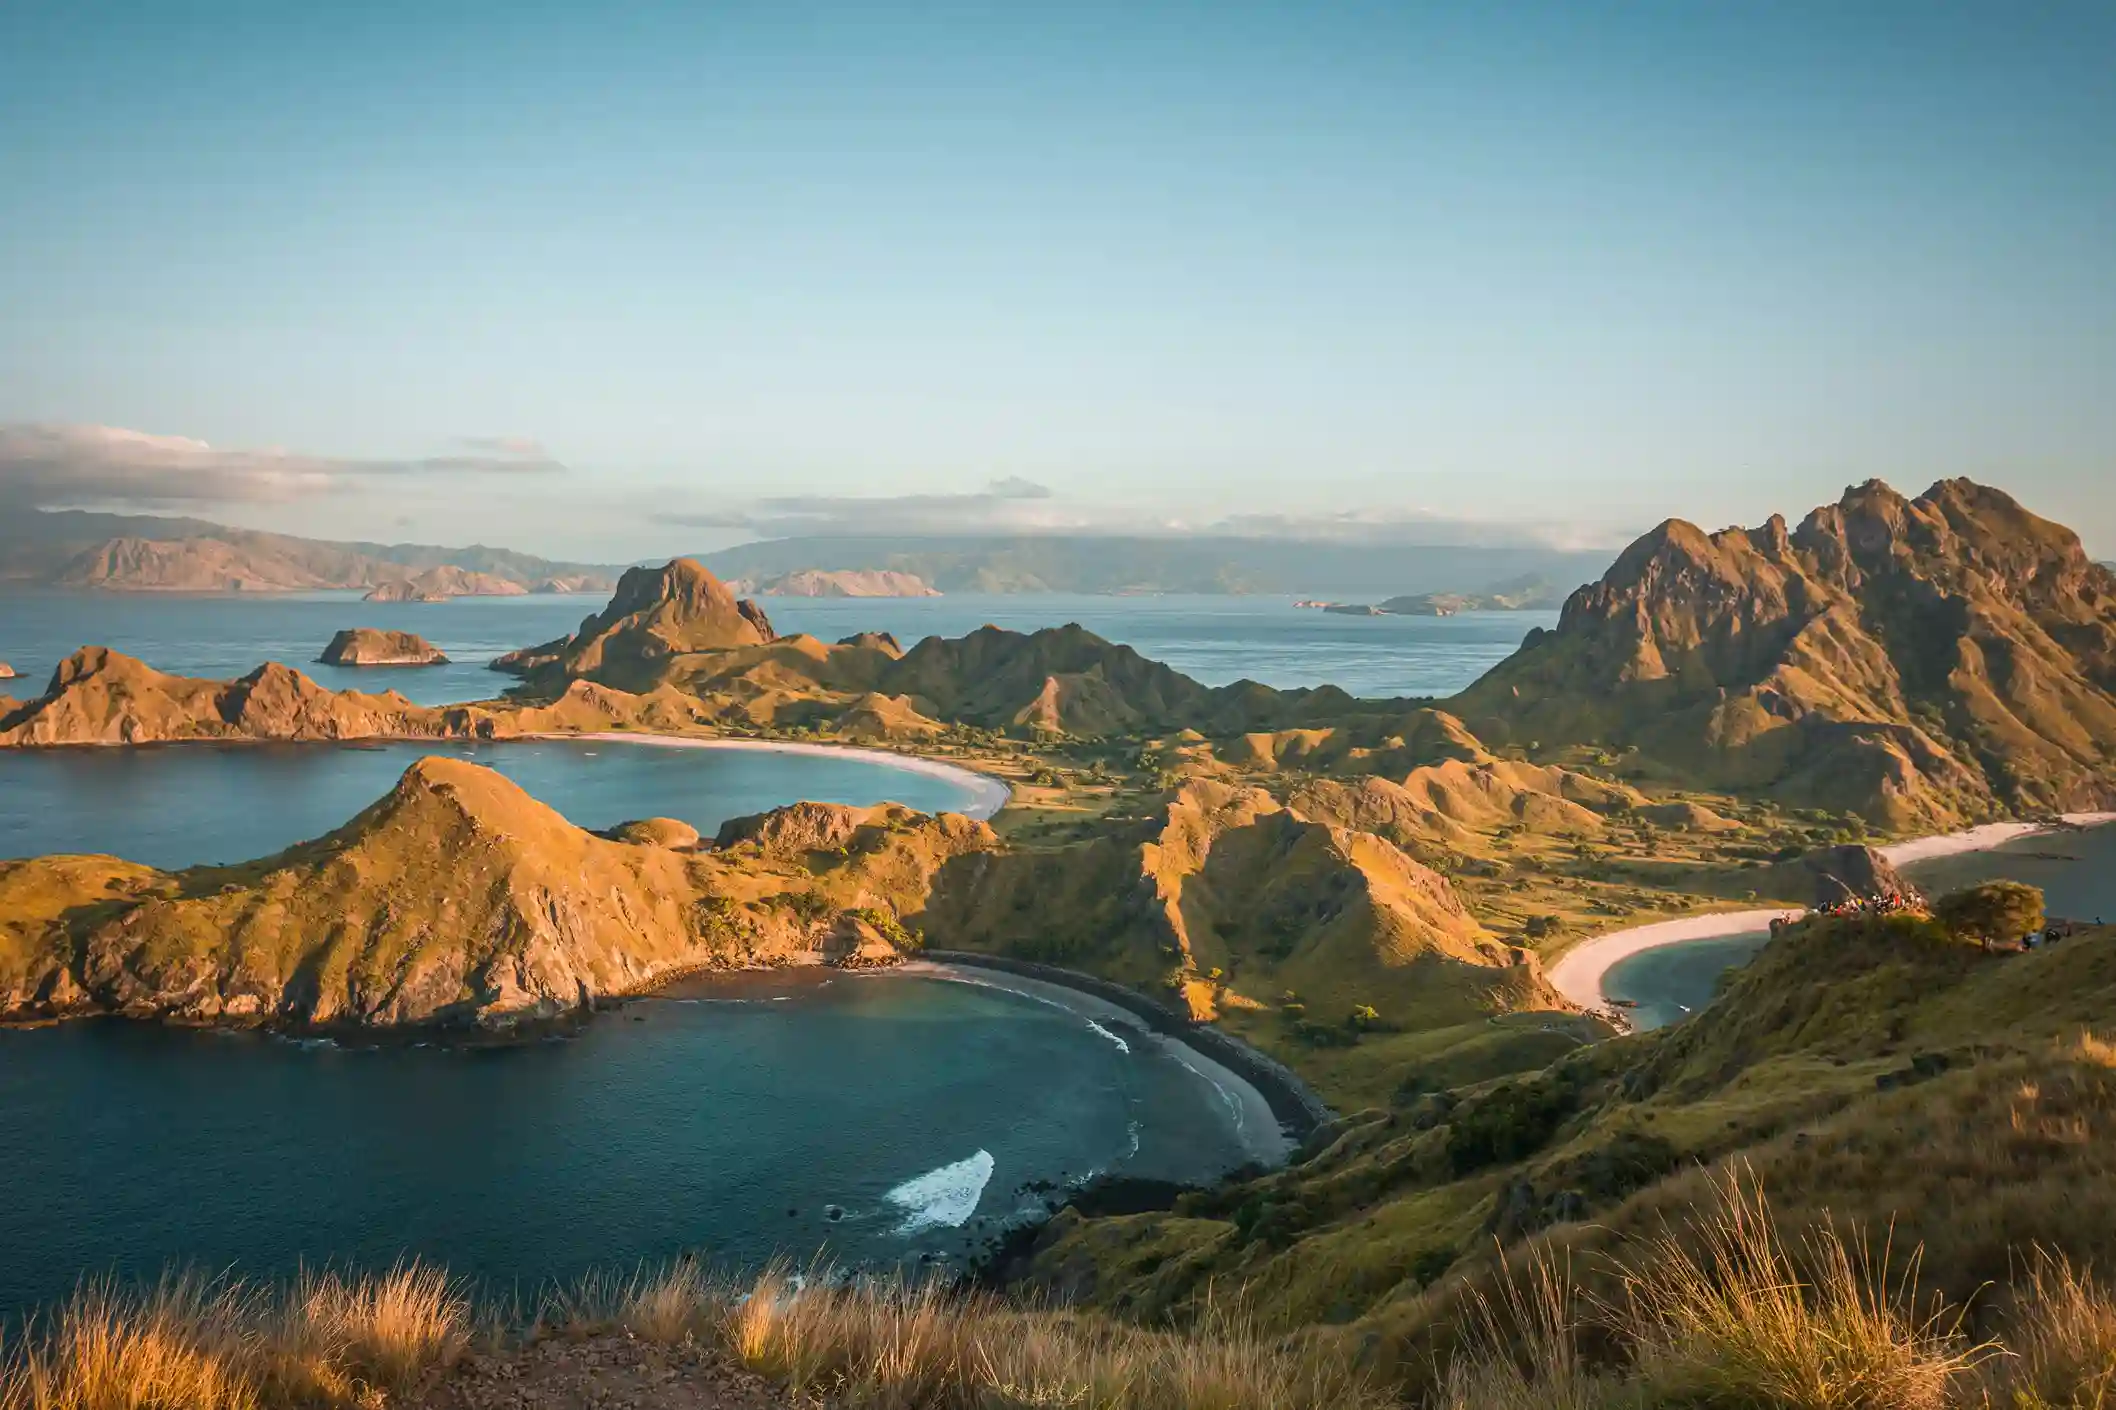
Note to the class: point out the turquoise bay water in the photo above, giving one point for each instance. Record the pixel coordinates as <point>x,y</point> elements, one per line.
<point>1216,639</point>
<point>878,1118</point>
<point>1671,983</point>
<point>184,804</point>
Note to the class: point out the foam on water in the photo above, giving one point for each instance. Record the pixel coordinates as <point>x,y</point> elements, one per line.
<point>944,1197</point>
<point>1122,1046</point>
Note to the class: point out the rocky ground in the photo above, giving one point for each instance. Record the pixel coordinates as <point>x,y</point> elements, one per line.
<point>615,1372</point>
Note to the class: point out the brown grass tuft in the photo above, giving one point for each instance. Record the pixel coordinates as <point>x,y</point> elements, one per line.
<point>1730,1315</point>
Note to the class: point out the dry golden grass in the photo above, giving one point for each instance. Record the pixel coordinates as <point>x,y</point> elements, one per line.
<point>896,1345</point>
<point>1724,1312</point>
<point>192,1344</point>
<point>1732,1315</point>
<point>2060,1344</point>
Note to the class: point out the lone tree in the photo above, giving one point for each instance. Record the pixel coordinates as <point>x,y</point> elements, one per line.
<point>1996,912</point>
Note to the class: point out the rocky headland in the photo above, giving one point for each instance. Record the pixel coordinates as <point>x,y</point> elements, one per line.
<point>443,583</point>
<point>822,582</point>
<point>1530,594</point>
<point>372,646</point>
<point>100,696</point>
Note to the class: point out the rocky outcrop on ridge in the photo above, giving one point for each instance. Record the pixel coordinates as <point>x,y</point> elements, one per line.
<point>656,832</point>
<point>1922,661</point>
<point>371,646</point>
<point>1225,879</point>
<point>655,614</point>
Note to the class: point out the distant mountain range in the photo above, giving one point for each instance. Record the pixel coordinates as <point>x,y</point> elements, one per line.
<point>150,553</point>
<point>141,553</point>
<point>1205,564</point>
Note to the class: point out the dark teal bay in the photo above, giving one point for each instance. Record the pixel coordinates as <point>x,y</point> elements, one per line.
<point>876,1118</point>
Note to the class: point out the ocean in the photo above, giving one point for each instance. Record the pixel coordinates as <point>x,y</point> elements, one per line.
<point>1218,640</point>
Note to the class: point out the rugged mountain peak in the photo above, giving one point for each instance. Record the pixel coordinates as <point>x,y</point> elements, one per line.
<point>439,797</point>
<point>89,661</point>
<point>655,613</point>
<point>1918,659</point>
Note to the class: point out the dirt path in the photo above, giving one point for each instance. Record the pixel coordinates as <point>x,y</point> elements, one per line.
<point>607,1373</point>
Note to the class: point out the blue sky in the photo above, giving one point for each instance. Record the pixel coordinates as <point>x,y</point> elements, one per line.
<point>1575,268</point>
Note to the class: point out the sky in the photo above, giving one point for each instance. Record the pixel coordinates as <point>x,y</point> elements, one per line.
<point>618,280</point>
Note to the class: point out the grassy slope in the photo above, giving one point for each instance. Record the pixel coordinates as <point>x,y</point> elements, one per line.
<point>1866,1071</point>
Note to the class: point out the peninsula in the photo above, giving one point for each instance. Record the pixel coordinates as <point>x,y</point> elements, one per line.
<point>824,582</point>
<point>544,919</point>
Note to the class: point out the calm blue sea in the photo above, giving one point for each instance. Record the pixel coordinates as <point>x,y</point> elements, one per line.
<point>1215,639</point>
<point>882,1119</point>
<point>876,1118</point>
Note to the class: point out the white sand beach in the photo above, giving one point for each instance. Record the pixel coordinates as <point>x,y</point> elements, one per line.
<point>1578,974</point>
<point>989,793</point>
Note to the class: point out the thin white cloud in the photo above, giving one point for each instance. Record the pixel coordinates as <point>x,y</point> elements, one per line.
<point>74,466</point>
<point>1024,507</point>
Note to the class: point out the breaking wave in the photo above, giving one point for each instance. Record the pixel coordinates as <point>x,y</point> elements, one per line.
<point>946,1197</point>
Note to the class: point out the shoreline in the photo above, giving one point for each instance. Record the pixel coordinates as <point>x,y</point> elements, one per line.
<point>1579,972</point>
<point>989,794</point>
<point>1256,1126</point>
<point>1293,1107</point>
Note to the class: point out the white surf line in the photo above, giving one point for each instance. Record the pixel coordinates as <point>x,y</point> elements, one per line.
<point>1254,1124</point>
<point>1579,973</point>
<point>988,794</point>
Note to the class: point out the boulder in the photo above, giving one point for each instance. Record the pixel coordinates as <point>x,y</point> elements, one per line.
<point>656,832</point>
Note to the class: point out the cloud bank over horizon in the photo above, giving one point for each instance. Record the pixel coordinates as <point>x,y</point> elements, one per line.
<point>45,466</point>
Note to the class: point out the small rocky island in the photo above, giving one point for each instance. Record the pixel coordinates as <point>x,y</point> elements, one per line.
<point>7,672</point>
<point>371,646</point>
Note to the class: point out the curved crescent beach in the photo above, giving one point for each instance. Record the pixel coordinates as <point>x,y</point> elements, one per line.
<point>988,794</point>
<point>1578,974</point>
